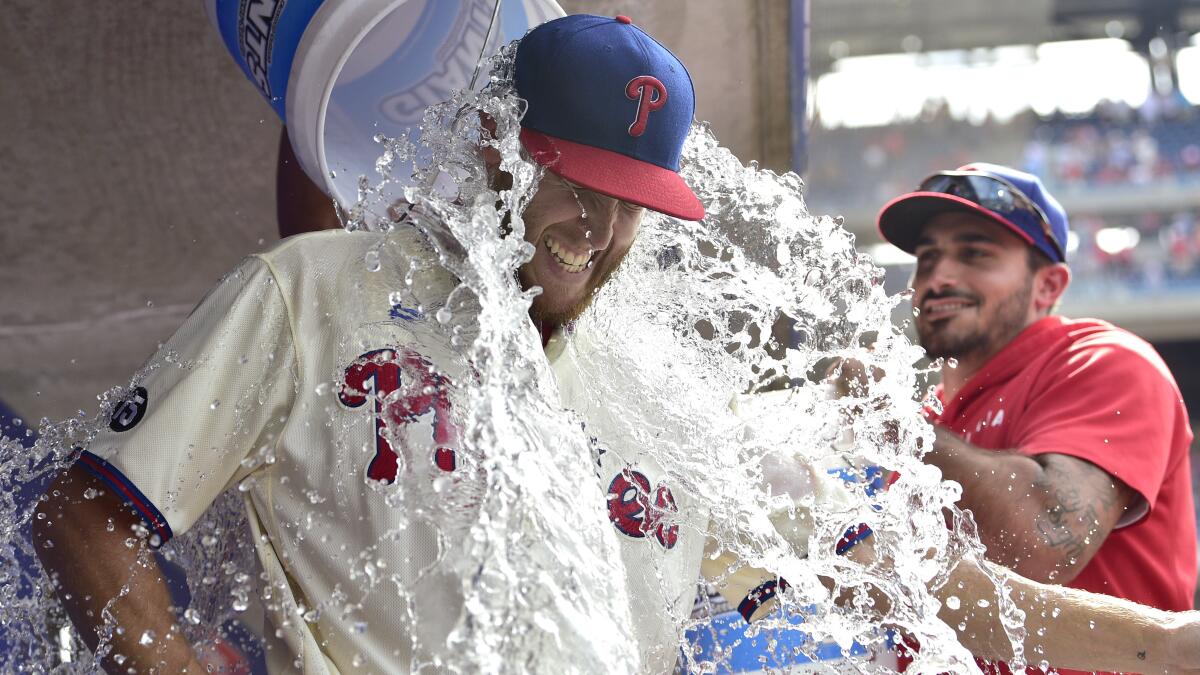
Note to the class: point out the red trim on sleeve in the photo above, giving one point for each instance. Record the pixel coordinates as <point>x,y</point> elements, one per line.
<point>129,492</point>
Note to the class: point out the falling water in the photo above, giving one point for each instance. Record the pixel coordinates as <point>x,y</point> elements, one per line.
<point>760,296</point>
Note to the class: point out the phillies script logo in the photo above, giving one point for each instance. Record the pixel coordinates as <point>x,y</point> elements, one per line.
<point>403,387</point>
<point>637,511</point>
<point>650,95</point>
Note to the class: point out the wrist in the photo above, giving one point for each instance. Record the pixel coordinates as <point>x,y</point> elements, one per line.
<point>1172,645</point>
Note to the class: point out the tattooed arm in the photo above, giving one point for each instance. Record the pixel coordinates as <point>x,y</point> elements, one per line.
<point>1043,516</point>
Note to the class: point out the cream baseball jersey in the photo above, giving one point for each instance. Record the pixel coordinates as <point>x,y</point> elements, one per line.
<point>664,528</point>
<point>325,391</point>
<point>306,379</point>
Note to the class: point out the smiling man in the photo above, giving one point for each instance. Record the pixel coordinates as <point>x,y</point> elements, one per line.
<point>241,395</point>
<point>1064,434</point>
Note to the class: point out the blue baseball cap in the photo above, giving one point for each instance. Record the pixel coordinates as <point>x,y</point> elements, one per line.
<point>1043,225</point>
<point>609,109</point>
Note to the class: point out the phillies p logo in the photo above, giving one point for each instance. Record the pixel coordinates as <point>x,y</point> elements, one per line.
<point>650,95</point>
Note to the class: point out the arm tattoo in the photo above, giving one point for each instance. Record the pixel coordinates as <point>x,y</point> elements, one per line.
<point>1078,497</point>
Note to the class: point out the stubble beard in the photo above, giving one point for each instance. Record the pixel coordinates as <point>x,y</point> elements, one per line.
<point>983,341</point>
<point>546,316</point>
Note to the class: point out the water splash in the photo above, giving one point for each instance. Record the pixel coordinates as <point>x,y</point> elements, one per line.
<point>759,296</point>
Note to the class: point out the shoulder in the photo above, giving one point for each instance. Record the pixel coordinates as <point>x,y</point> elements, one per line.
<point>1097,351</point>
<point>1101,343</point>
<point>317,249</point>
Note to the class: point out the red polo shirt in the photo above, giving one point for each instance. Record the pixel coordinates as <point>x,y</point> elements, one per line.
<point>1088,389</point>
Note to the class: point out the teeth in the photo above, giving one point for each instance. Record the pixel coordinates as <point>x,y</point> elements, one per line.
<point>949,308</point>
<point>573,262</point>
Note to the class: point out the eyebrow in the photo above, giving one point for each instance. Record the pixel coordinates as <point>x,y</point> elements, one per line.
<point>960,238</point>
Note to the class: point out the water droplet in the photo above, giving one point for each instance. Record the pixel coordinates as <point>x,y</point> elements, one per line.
<point>951,362</point>
<point>372,260</point>
<point>147,638</point>
<point>443,316</point>
<point>783,255</point>
<point>215,404</point>
<point>90,493</point>
<point>192,616</point>
<point>982,604</point>
<point>953,602</point>
<point>395,298</point>
<point>358,661</point>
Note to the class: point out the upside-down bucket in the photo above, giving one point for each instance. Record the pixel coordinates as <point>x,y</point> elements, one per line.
<point>340,72</point>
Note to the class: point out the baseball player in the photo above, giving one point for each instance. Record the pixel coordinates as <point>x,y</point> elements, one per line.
<point>240,396</point>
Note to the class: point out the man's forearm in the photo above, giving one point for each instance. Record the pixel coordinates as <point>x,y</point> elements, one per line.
<point>1064,627</point>
<point>106,578</point>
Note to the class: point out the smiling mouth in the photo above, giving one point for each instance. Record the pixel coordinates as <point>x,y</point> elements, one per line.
<point>946,310</point>
<point>569,261</point>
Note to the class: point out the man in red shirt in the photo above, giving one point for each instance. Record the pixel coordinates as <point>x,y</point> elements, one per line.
<point>1069,436</point>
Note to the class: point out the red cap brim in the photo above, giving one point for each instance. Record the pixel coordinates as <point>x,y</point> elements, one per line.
<point>616,175</point>
<point>900,220</point>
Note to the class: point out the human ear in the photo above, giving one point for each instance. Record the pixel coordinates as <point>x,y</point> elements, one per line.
<point>1049,283</point>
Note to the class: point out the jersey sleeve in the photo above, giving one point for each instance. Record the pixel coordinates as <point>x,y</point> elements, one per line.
<point>1113,406</point>
<point>202,412</point>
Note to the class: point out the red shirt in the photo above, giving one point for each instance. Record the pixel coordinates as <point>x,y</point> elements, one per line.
<point>1088,389</point>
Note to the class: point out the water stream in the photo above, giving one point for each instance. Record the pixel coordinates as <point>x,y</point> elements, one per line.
<point>760,296</point>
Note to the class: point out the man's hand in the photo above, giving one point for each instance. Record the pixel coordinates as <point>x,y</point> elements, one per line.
<point>1043,516</point>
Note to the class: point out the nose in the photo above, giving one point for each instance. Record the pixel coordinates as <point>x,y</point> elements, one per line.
<point>602,211</point>
<point>937,277</point>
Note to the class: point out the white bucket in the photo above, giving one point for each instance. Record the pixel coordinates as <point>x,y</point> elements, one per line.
<point>338,72</point>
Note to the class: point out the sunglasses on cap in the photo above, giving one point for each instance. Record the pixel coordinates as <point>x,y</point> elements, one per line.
<point>994,194</point>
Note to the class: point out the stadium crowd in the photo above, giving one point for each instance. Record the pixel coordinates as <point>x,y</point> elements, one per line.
<point>1142,152</point>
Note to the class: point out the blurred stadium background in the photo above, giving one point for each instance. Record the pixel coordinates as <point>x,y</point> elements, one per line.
<point>136,164</point>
